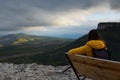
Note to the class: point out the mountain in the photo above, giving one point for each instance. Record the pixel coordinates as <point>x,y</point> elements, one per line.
<point>110,32</point>
<point>104,25</point>
<point>7,40</point>
<point>19,45</point>
<point>56,56</point>
<point>21,38</point>
<point>111,35</point>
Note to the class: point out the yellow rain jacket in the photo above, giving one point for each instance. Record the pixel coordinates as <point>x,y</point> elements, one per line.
<point>86,49</point>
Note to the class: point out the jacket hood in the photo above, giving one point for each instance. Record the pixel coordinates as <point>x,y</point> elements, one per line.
<point>96,44</point>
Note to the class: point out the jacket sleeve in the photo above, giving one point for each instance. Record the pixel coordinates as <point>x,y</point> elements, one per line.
<point>79,50</point>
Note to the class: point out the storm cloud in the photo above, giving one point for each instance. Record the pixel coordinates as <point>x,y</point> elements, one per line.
<point>20,14</point>
<point>115,4</point>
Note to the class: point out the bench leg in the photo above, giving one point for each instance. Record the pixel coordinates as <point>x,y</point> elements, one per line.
<point>66,69</point>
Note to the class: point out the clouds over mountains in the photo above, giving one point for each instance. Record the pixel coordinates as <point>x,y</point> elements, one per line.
<point>23,14</point>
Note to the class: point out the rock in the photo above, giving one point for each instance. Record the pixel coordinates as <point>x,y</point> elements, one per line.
<point>9,71</point>
<point>104,25</point>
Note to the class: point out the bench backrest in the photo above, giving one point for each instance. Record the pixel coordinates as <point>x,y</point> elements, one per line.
<point>97,69</point>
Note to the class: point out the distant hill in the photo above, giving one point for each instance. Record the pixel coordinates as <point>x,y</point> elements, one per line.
<point>56,56</point>
<point>19,45</point>
<point>21,39</point>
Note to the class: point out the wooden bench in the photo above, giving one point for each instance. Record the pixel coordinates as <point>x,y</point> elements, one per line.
<point>94,68</point>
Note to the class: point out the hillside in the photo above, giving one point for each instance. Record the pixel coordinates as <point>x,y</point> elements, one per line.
<point>24,39</point>
<point>19,45</point>
<point>109,34</point>
<point>112,38</point>
<point>57,57</point>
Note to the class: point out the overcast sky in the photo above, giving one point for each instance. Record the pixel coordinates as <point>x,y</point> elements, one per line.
<point>60,18</point>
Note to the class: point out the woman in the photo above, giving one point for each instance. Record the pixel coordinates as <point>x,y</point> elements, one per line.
<point>94,41</point>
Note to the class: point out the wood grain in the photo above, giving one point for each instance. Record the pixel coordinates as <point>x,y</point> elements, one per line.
<point>97,69</point>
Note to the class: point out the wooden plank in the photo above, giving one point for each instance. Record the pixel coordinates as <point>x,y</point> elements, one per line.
<point>97,69</point>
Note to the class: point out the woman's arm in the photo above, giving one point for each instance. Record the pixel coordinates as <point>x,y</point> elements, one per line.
<point>79,50</point>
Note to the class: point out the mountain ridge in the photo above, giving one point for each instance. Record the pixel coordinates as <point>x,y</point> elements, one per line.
<point>103,25</point>
<point>20,45</point>
<point>10,38</point>
<point>110,35</point>
<point>57,56</point>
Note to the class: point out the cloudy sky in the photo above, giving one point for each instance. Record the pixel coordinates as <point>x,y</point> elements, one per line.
<point>60,18</point>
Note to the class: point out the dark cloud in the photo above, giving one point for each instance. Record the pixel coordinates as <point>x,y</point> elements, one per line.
<point>115,4</point>
<point>15,14</point>
<point>65,4</point>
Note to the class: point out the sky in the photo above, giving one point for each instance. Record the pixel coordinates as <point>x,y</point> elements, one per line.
<point>57,18</point>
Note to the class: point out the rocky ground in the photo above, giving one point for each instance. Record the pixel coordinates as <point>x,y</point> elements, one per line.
<point>34,72</point>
